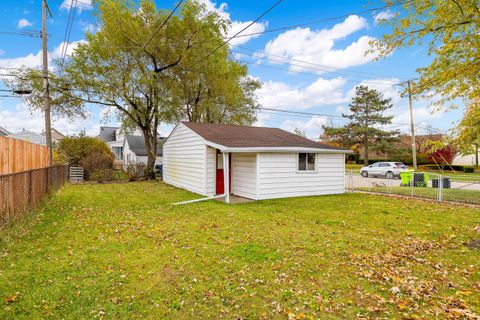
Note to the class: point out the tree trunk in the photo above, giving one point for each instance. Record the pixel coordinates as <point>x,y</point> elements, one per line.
<point>365,149</point>
<point>476,155</point>
<point>151,146</point>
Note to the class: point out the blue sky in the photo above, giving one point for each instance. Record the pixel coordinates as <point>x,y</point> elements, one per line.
<point>311,69</point>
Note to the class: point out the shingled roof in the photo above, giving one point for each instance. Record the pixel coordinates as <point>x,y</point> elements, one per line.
<point>107,134</point>
<point>236,136</point>
<point>137,145</point>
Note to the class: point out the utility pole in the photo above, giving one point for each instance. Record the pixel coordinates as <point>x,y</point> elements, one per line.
<point>46,89</point>
<point>412,125</point>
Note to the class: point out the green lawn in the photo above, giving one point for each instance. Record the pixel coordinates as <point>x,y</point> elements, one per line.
<point>454,195</point>
<point>121,251</point>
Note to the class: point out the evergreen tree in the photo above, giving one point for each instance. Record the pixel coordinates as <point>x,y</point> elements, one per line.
<point>366,119</point>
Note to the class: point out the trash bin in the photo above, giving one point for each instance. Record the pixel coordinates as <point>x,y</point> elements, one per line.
<point>419,180</point>
<point>406,177</point>
<point>446,184</point>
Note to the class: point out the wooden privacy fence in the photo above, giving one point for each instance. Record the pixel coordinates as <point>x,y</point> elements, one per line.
<point>17,156</point>
<point>21,191</point>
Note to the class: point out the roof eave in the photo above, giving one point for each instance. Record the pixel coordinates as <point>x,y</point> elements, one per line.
<point>223,148</point>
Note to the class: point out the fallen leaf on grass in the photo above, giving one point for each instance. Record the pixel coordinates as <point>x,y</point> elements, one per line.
<point>11,299</point>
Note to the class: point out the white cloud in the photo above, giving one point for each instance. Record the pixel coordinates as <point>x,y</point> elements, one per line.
<point>90,27</point>
<point>420,115</point>
<point>311,127</point>
<point>21,117</point>
<point>35,60</point>
<point>23,23</point>
<point>236,26</point>
<point>387,86</point>
<point>318,46</point>
<point>280,95</point>
<point>81,5</point>
<point>383,15</point>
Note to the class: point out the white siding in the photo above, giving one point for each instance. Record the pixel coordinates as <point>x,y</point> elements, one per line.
<point>244,175</point>
<point>184,160</point>
<point>211,171</point>
<point>279,178</point>
<point>28,136</point>
<point>468,160</point>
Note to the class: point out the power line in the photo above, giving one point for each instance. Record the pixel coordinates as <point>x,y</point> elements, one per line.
<point>324,68</point>
<point>26,33</point>
<point>324,20</point>
<point>365,80</point>
<point>239,32</point>
<point>163,24</point>
<point>68,30</point>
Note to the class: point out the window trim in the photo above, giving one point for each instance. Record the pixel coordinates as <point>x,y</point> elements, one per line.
<point>306,171</point>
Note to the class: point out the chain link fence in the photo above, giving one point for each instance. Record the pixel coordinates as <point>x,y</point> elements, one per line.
<point>21,191</point>
<point>440,187</point>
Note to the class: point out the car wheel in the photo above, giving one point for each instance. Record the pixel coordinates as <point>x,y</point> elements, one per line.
<point>389,175</point>
<point>364,174</point>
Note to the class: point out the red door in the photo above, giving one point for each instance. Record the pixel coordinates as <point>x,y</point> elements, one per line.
<point>220,188</point>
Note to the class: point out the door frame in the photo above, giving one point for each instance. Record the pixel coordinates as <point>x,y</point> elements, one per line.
<point>229,171</point>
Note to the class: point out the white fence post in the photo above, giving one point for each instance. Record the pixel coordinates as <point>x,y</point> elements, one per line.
<point>440,188</point>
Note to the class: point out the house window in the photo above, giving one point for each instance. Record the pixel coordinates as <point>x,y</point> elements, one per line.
<point>306,162</point>
<point>118,151</point>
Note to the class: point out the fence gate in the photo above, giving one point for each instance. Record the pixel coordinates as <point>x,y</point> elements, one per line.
<point>76,174</point>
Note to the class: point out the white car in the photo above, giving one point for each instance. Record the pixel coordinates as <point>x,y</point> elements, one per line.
<point>388,170</point>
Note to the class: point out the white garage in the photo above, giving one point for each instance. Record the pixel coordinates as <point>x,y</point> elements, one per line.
<point>251,162</point>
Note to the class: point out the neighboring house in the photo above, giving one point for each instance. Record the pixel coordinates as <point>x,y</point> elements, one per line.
<point>467,160</point>
<point>250,162</point>
<point>114,138</point>
<point>135,152</point>
<point>38,138</point>
<point>57,135</point>
<point>4,132</point>
<point>29,136</point>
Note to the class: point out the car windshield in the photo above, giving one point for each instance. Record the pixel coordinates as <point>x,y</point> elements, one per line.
<point>399,164</point>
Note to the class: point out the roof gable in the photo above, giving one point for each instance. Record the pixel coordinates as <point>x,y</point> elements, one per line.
<point>107,134</point>
<point>236,136</point>
<point>137,145</point>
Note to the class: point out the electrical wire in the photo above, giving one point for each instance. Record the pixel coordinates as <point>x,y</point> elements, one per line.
<point>325,20</point>
<point>68,32</point>
<point>163,24</point>
<point>239,32</point>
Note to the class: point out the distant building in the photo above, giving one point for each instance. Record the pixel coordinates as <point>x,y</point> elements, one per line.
<point>38,138</point>
<point>4,132</point>
<point>135,151</point>
<point>405,141</point>
<point>467,160</point>
<point>57,135</point>
<point>114,138</point>
<point>29,136</point>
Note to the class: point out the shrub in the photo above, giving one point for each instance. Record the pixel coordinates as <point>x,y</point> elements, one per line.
<point>120,176</point>
<point>135,171</point>
<point>73,149</point>
<point>94,161</point>
<point>468,169</point>
<point>102,175</point>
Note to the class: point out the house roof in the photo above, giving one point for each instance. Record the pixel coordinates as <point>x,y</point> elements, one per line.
<point>236,136</point>
<point>28,136</point>
<point>57,135</point>
<point>137,145</point>
<point>107,134</point>
<point>3,131</point>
